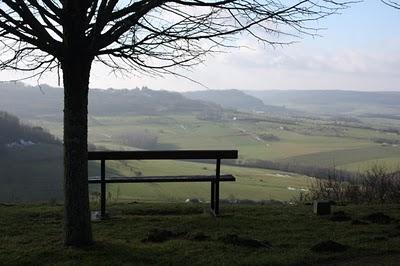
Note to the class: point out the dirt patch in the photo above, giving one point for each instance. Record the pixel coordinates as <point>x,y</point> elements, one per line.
<point>161,235</point>
<point>358,222</point>
<point>380,238</point>
<point>329,246</point>
<point>236,240</point>
<point>340,216</point>
<point>378,218</point>
<point>198,236</point>
<point>389,259</point>
<point>393,235</point>
<point>2,204</point>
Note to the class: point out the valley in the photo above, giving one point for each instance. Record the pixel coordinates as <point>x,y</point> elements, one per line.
<point>281,149</point>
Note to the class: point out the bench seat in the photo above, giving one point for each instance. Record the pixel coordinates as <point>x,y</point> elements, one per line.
<point>214,180</point>
<point>161,179</point>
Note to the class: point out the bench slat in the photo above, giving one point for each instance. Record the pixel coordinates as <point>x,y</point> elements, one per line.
<point>161,179</point>
<point>163,155</point>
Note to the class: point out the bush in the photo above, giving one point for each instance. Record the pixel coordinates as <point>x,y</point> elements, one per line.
<point>386,141</point>
<point>309,170</point>
<point>140,139</point>
<point>210,115</point>
<point>269,137</point>
<point>376,185</point>
<point>381,186</point>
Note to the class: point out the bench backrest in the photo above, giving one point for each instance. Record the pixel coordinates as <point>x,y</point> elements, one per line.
<point>163,155</point>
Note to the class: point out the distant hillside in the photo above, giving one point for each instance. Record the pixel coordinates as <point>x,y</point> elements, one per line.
<point>143,101</point>
<point>333,101</point>
<point>30,162</point>
<point>233,99</point>
<point>28,101</point>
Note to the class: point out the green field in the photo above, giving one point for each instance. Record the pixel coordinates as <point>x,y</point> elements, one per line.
<point>32,234</point>
<point>302,141</point>
<point>306,142</point>
<point>251,183</point>
<point>347,158</point>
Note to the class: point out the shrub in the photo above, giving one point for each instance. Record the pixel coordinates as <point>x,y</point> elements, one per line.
<point>381,186</point>
<point>376,185</point>
<point>140,139</point>
<point>269,137</point>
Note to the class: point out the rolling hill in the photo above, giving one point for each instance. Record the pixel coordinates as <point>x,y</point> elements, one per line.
<point>234,99</point>
<point>333,101</point>
<point>28,101</point>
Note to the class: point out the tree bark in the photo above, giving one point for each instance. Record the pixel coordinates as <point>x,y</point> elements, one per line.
<point>77,227</point>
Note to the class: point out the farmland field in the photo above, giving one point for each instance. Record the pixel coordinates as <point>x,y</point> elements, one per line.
<point>305,143</point>
<point>311,142</point>
<point>251,183</point>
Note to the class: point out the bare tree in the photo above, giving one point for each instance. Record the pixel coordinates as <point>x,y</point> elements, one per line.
<point>148,36</point>
<point>394,4</point>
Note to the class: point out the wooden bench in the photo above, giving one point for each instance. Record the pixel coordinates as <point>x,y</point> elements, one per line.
<point>217,155</point>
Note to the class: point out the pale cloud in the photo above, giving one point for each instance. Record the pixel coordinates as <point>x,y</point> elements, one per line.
<point>298,67</point>
<point>376,67</point>
<point>360,50</point>
<point>375,60</point>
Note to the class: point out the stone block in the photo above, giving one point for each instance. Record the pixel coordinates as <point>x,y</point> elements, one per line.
<point>322,207</point>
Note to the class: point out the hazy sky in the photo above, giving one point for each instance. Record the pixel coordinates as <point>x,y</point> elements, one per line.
<point>359,50</point>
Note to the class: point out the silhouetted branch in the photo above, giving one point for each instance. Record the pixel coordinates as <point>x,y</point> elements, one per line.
<point>151,36</point>
<point>394,4</point>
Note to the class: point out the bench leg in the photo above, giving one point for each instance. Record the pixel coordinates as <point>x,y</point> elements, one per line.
<point>216,207</point>
<point>212,203</point>
<point>103,190</point>
<point>216,187</point>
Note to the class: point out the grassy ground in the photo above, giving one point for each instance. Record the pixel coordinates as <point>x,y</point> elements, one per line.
<point>32,234</point>
<point>354,157</point>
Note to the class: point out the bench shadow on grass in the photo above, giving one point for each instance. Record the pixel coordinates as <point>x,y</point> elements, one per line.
<point>100,253</point>
<point>157,211</point>
<point>117,254</point>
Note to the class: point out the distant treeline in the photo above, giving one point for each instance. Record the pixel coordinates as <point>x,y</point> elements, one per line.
<point>254,119</point>
<point>361,126</point>
<point>214,115</point>
<point>308,170</point>
<point>142,139</point>
<point>347,119</point>
<point>269,137</point>
<point>384,116</point>
<point>386,141</point>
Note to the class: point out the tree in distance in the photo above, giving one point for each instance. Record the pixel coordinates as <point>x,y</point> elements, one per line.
<point>154,37</point>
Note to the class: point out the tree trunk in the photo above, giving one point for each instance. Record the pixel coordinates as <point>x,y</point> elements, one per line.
<point>77,227</point>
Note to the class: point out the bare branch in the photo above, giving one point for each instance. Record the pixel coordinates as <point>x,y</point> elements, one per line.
<point>152,36</point>
<point>393,4</point>
<point>161,34</point>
